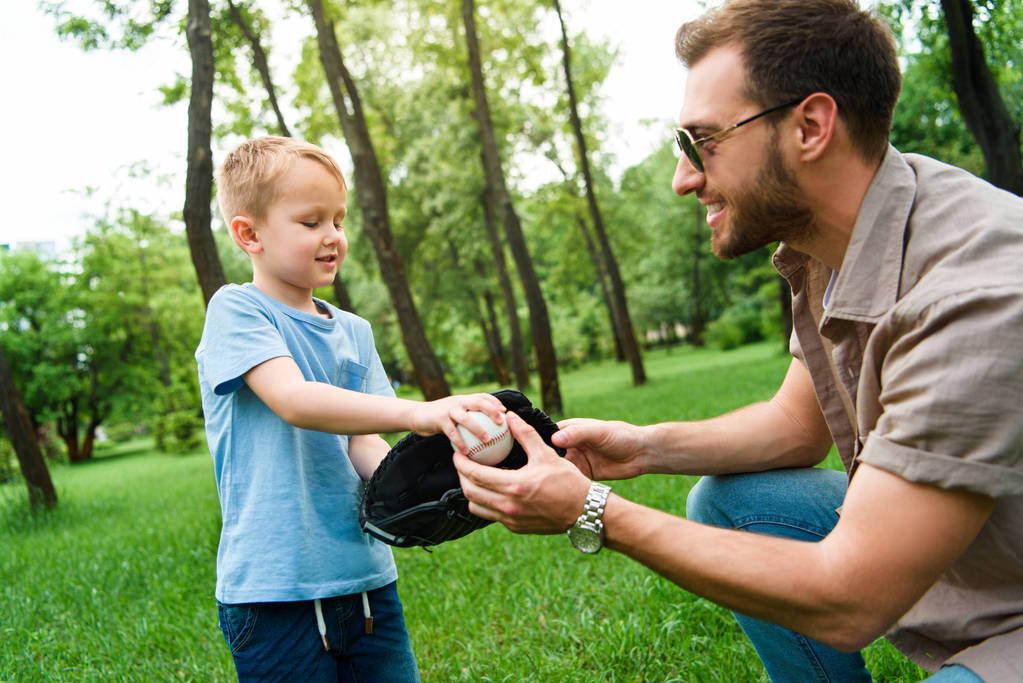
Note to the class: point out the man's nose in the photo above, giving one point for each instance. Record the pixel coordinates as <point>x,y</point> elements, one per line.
<point>686,179</point>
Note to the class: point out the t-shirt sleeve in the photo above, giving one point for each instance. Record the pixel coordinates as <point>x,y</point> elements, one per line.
<point>952,394</point>
<point>237,336</point>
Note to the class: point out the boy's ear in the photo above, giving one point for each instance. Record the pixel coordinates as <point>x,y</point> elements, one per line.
<point>243,232</point>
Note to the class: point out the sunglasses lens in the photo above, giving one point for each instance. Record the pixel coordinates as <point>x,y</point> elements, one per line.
<point>689,149</point>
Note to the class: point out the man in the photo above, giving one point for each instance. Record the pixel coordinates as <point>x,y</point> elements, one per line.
<point>908,355</point>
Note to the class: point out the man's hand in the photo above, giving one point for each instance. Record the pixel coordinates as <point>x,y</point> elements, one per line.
<point>443,416</point>
<point>546,496</point>
<point>601,449</point>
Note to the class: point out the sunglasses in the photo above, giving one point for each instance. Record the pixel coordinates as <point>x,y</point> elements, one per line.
<point>690,145</point>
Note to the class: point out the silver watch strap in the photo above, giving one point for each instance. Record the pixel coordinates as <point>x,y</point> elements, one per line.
<point>593,511</point>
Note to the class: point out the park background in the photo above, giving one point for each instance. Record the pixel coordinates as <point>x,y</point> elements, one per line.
<point>502,234</point>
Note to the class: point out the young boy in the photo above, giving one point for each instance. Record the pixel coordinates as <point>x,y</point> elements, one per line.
<point>295,396</point>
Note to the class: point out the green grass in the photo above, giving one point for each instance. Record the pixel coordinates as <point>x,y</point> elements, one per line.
<point>117,583</point>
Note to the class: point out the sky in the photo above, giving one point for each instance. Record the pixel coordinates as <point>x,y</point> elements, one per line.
<point>81,125</point>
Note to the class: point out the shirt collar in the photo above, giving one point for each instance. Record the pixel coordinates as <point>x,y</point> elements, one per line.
<point>867,285</point>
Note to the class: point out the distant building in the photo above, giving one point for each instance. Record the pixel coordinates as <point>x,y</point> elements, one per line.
<point>44,248</point>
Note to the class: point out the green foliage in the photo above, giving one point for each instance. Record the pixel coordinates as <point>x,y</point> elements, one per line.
<point>927,118</point>
<point>754,313</point>
<point>8,461</point>
<point>110,24</point>
<point>122,432</point>
<point>178,432</point>
<point>108,335</point>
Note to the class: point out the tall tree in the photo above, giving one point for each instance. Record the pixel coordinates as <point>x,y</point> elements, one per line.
<point>539,321</point>
<point>372,198</point>
<point>517,350</point>
<point>135,32</point>
<point>199,171</point>
<point>252,26</point>
<point>980,101</point>
<point>23,438</point>
<point>962,91</point>
<point>617,300</point>
<point>240,15</point>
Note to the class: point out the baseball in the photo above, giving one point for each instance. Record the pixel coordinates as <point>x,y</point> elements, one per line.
<point>493,451</point>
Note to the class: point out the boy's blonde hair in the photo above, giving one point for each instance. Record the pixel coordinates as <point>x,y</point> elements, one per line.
<point>247,181</point>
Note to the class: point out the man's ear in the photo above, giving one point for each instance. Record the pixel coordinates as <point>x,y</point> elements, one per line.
<point>243,232</point>
<point>817,120</point>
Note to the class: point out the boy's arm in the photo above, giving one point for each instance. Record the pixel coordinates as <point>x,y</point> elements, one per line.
<point>326,408</point>
<point>366,451</point>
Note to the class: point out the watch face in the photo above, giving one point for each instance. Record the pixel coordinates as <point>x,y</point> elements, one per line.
<point>586,540</point>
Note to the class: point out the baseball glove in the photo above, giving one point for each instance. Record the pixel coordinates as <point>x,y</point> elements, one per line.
<point>414,496</point>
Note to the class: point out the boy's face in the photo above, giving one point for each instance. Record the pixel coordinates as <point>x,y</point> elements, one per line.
<point>301,243</point>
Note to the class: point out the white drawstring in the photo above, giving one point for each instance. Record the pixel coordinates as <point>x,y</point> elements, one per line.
<point>322,626</point>
<point>366,614</point>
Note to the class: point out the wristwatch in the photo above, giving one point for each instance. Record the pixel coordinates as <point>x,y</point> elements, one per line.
<point>587,534</point>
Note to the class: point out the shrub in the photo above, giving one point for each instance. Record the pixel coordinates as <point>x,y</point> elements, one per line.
<point>7,462</point>
<point>738,325</point>
<point>120,433</point>
<point>178,432</point>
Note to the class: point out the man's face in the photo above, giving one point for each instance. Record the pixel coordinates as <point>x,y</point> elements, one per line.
<point>752,198</point>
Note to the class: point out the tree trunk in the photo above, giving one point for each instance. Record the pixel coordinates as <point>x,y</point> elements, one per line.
<point>372,196</point>
<point>516,348</point>
<point>980,103</point>
<point>23,439</point>
<point>620,309</point>
<point>598,265</point>
<point>199,174</point>
<point>490,326</point>
<point>497,358</point>
<point>539,323</point>
<point>67,429</point>
<point>260,62</point>
<point>344,300</point>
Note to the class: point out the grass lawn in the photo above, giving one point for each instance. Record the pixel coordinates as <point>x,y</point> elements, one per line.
<point>117,583</point>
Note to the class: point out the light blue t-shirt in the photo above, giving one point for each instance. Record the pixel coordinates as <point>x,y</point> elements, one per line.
<point>289,497</point>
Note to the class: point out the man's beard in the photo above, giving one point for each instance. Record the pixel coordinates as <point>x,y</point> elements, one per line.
<point>773,211</point>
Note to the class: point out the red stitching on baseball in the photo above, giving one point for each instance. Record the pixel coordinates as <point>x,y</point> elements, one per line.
<point>483,444</point>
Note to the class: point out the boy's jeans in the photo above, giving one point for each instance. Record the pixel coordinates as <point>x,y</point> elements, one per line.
<point>801,504</point>
<point>280,641</point>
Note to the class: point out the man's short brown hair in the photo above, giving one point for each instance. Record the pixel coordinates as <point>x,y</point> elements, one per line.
<point>247,181</point>
<point>793,48</point>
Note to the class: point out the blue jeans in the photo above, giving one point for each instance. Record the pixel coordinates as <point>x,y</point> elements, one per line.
<point>800,504</point>
<point>280,641</point>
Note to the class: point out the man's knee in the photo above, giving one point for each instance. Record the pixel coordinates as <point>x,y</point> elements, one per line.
<point>705,501</point>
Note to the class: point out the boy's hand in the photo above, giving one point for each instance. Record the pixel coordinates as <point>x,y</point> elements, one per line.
<point>445,414</point>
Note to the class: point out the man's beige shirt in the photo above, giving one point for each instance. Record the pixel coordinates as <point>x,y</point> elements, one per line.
<point>917,362</point>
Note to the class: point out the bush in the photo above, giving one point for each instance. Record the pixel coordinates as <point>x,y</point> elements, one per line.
<point>740,324</point>
<point>178,432</point>
<point>120,433</point>
<point>7,461</point>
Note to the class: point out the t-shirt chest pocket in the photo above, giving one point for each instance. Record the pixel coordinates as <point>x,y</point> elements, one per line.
<point>351,375</point>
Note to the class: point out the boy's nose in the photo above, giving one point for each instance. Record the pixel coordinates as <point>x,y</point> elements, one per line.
<point>686,179</point>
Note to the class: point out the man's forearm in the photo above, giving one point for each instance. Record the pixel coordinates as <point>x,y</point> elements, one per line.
<point>754,438</point>
<point>779,580</point>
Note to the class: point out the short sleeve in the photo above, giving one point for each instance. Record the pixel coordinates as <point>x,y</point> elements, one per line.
<point>951,377</point>
<point>237,336</point>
